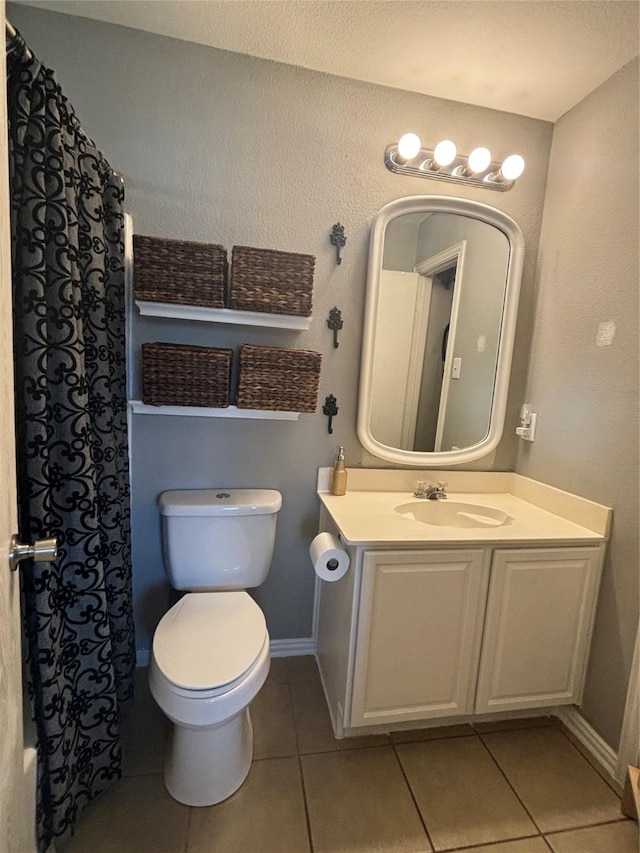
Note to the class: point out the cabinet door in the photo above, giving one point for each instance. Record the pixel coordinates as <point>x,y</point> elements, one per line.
<point>539,618</point>
<point>418,638</point>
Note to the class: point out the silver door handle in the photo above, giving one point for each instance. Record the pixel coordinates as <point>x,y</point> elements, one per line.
<point>42,551</point>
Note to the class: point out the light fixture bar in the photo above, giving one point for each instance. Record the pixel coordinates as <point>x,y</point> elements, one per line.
<point>418,167</point>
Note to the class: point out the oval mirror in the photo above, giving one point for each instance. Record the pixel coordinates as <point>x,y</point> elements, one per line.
<point>442,297</point>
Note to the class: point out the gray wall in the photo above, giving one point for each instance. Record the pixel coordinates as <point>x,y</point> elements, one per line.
<point>400,243</point>
<point>587,396</point>
<point>220,147</point>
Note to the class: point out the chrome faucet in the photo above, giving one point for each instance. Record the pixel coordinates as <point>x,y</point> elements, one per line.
<point>429,492</point>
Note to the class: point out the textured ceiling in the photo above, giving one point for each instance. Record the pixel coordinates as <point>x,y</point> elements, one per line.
<point>532,57</point>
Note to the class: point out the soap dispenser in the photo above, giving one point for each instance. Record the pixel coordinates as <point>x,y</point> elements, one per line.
<point>339,475</point>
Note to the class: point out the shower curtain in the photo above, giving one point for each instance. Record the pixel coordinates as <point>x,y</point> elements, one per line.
<point>71,429</point>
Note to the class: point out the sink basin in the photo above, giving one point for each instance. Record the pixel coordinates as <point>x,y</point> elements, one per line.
<point>447,513</point>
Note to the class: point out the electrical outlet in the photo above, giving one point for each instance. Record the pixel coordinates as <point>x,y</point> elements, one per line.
<point>606,333</point>
<point>528,432</point>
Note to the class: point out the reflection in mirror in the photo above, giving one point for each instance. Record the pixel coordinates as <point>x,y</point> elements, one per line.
<point>441,299</point>
<point>441,294</point>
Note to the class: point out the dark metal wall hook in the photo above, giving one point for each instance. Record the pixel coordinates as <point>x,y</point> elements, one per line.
<point>338,239</point>
<point>330,409</point>
<point>335,322</point>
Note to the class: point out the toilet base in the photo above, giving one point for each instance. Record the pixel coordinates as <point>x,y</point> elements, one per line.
<point>205,765</point>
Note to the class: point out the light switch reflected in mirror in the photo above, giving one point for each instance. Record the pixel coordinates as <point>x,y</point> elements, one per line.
<point>442,294</point>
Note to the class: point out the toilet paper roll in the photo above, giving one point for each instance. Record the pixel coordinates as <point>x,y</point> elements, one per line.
<point>330,560</point>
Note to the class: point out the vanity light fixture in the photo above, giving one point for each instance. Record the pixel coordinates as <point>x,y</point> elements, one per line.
<point>512,168</point>
<point>478,160</point>
<point>444,154</point>
<point>408,146</point>
<point>408,157</point>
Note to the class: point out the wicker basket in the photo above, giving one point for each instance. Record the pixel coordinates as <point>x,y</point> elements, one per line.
<point>270,281</point>
<point>178,375</point>
<point>284,380</point>
<point>179,271</point>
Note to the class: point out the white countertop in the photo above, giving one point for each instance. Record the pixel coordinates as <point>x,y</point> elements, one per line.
<point>369,518</point>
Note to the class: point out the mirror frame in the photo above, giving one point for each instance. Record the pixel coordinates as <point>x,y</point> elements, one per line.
<point>462,207</point>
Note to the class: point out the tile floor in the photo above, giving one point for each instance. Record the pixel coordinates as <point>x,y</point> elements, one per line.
<point>507,788</point>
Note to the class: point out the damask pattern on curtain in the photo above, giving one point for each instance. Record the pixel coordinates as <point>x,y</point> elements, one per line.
<point>71,427</point>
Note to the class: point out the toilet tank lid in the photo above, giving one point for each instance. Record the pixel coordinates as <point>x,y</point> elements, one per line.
<point>195,502</point>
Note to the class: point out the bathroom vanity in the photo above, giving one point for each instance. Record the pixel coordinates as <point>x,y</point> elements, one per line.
<point>473,607</point>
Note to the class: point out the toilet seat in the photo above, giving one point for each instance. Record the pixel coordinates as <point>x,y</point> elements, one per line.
<point>208,641</point>
<point>214,706</point>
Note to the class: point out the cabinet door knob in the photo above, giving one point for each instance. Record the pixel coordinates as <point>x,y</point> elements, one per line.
<point>42,551</point>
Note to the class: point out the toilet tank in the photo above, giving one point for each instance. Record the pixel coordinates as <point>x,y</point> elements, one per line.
<point>218,538</point>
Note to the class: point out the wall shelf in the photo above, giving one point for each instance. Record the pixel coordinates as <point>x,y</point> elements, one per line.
<point>137,407</point>
<point>222,315</point>
<point>198,313</point>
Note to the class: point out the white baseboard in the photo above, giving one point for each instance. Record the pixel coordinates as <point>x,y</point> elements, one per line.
<point>590,739</point>
<point>629,746</point>
<point>293,648</point>
<point>279,649</point>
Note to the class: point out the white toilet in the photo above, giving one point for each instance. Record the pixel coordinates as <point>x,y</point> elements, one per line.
<point>210,652</point>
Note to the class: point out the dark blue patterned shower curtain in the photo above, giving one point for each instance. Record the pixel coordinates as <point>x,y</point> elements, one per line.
<point>71,428</point>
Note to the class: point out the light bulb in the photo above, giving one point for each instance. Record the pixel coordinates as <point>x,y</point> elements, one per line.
<point>445,152</point>
<point>409,145</point>
<point>512,167</point>
<point>479,159</point>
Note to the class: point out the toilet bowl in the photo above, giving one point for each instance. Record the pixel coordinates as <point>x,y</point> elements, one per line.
<point>210,658</point>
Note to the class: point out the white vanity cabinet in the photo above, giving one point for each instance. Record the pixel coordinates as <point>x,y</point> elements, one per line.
<point>418,634</point>
<point>540,611</point>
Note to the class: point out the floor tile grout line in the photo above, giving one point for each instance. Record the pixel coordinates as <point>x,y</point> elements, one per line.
<point>413,799</point>
<point>306,804</point>
<point>479,847</point>
<point>300,771</point>
<point>601,773</point>
<point>487,844</point>
<point>187,842</point>
<point>341,749</point>
<point>514,725</point>
<point>582,826</point>
<point>274,757</point>
<point>428,739</point>
<point>508,781</point>
<point>293,717</point>
<point>553,831</point>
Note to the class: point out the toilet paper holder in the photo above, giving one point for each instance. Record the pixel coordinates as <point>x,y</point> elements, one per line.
<point>329,558</point>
